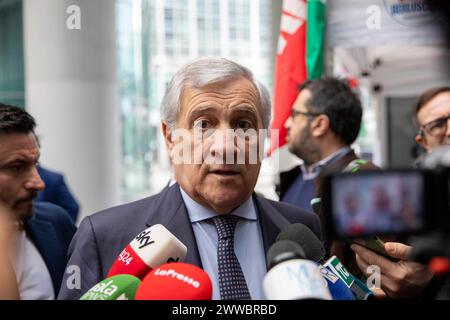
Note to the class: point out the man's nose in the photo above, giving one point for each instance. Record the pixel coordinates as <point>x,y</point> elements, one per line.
<point>447,133</point>
<point>288,123</point>
<point>224,145</point>
<point>34,181</point>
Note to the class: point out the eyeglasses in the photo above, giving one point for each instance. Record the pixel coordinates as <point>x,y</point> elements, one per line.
<point>435,128</point>
<point>295,113</point>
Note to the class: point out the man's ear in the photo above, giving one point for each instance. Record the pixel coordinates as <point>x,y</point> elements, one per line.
<point>167,137</point>
<point>320,125</point>
<point>422,141</point>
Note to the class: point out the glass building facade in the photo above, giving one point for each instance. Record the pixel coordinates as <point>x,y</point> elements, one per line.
<point>156,38</point>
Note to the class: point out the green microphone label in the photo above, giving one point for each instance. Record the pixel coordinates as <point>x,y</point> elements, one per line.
<point>338,268</point>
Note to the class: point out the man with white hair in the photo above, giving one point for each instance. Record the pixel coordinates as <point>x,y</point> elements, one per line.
<point>206,102</point>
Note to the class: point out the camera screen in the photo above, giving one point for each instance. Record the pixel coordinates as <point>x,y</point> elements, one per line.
<point>386,203</point>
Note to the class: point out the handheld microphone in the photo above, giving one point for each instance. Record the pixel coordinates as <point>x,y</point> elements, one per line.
<point>303,236</point>
<point>338,289</point>
<point>290,276</point>
<point>359,289</point>
<point>175,281</point>
<point>121,287</point>
<point>315,251</point>
<point>151,248</point>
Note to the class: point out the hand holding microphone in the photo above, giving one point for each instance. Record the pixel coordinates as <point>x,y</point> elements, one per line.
<point>347,287</point>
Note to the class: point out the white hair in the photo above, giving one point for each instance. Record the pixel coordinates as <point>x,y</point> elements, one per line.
<point>203,72</point>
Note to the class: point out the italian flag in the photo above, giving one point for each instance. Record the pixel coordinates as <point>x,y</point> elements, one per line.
<point>300,56</point>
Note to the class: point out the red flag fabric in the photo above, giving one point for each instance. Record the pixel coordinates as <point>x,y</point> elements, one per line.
<point>290,65</point>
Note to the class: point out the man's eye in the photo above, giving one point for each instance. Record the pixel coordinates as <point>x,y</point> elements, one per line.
<point>437,126</point>
<point>202,124</point>
<point>16,167</point>
<point>438,123</point>
<point>244,124</point>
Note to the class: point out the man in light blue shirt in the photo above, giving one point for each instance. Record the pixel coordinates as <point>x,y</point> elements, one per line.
<point>250,252</point>
<point>211,114</point>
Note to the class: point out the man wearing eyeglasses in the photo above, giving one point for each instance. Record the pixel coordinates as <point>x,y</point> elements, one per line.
<point>406,278</point>
<point>432,114</point>
<point>324,122</point>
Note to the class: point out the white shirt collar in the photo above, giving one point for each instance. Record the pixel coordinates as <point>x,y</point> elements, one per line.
<point>317,167</point>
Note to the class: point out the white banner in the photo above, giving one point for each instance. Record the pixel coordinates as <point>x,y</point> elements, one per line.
<point>369,23</point>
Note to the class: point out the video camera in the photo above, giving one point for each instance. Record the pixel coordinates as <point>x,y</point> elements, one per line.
<point>410,203</point>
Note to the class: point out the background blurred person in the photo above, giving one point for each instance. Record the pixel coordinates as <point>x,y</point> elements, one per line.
<point>431,114</point>
<point>56,191</point>
<point>8,288</point>
<point>325,121</point>
<point>44,230</point>
<point>405,279</point>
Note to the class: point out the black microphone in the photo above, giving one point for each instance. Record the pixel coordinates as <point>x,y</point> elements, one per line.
<point>314,250</point>
<point>303,236</point>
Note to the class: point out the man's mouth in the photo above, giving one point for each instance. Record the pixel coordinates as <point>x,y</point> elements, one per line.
<point>224,172</point>
<point>27,200</point>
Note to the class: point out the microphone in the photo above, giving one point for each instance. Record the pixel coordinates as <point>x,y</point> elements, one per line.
<point>359,289</point>
<point>338,288</point>
<point>175,281</point>
<point>121,287</point>
<point>151,248</point>
<point>315,251</point>
<point>303,236</point>
<point>291,277</point>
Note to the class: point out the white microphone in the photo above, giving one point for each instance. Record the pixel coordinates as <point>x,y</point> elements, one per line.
<point>152,247</point>
<point>291,276</point>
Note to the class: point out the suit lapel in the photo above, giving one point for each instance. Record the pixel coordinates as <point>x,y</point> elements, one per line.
<point>272,222</point>
<point>46,240</point>
<point>171,212</point>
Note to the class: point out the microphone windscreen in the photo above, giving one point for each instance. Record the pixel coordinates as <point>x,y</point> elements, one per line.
<point>284,250</point>
<point>302,235</point>
<point>175,281</point>
<point>295,279</point>
<point>120,287</point>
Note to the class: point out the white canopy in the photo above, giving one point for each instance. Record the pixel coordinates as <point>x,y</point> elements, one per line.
<point>399,43</point>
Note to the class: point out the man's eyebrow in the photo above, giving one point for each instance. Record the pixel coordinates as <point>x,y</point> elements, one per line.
<point>201,111</point>
<point>245,109</point>
<point>12,161</point>
<point>22,158</point>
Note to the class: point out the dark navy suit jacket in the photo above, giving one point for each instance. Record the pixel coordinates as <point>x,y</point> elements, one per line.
<point>102,236</point>
<point>57,192</point>
<point>51,230</point>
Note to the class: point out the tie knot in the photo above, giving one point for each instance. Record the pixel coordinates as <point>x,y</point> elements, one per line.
<point>225,226</point>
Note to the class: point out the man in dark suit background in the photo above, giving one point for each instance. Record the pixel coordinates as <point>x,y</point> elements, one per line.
<point>41,232</point>
<point>205,101</point>
<point>325,121</point>
<point>56,191</point>
<point>326,118</point>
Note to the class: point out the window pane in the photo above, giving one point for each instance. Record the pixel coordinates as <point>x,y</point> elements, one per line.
<point>170,34</point>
